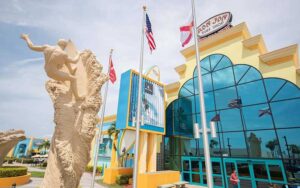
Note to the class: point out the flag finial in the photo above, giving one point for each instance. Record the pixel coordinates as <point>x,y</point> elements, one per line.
<point>144,8</point>
<point>111,51</point>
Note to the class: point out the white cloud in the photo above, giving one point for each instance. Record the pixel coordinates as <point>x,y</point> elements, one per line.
<point>101,25</point>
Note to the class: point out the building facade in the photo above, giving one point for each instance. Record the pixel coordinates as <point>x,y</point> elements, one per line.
<point>252,95</point>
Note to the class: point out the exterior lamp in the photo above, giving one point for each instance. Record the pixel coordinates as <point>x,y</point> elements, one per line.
<point>198,130</point>
<point>134,121</point>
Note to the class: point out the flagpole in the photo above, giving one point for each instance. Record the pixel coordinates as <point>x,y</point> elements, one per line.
<point>99,133</point>
<point>202,105</point>
<point>137,129</point>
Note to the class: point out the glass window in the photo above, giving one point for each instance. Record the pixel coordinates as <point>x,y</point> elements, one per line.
<point>288,91</point>
<point>207,83</point>
<point>224,96</point>
<point>231,120</point>
<point>215,59</point>
<point>289,142</point>
<point>252,93</point>
<point>260,171</point>
<point>235,144</point>
<point>183,125</point>
<point>263,144</point>
<point>186,165</point>
<point>243,169</point>
<point>216,167</point>
<point>229,168</point>
<point>196,178</point>
<point>186,105</point>
<point>286,113</point>
<point>240,71</point>
<point>223,78</point>
<point>257,117</point>
<point>205,66</point>
<point>218,181</point>
<point>195,166</point>
<point>225,62</point>
<point>184,92</point>
<point>252,74</point>
<point>276,172</point>
<point>273,85</point>
<point>209,102</point>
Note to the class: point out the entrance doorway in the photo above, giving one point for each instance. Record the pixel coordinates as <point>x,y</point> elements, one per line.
<point>253,173</point>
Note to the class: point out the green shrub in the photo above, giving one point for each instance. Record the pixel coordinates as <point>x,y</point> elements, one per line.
<point>90,169</point>
<point>44,164</point>
<point>123,179</point>
<point>12,171</point>
<point>9,160</point>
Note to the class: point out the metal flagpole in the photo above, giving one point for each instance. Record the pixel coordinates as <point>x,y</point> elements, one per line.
<point>99,133</point>
<point>202,105</point>
<point>138,122</point>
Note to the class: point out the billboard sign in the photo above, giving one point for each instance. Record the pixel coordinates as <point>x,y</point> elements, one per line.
<point>153,103</point>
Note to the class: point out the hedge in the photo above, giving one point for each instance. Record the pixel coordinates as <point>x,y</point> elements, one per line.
<point>123,179</point>
<point>90,169</point>
<point>12,171</point>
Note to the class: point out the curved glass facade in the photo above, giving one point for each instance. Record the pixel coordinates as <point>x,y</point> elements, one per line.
<point>259,117</point>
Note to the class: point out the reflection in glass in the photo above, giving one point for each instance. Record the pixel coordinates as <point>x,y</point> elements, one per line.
<point>223,78</point>
<point>286,113</point>
<point>236,146</point>
<point>246,91</point>
<point>243,169</point>
<point>260,171</point>
<point>275,172</point>
<point>224,96</point>
<point>196,178</point>
<point>195,166</point>
<point>254,121</point>
<point>263,144</point>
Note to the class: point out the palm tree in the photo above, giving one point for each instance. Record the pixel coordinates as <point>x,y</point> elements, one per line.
<point>44,146</point>
<point>271,146</point>
<point>113,131</point>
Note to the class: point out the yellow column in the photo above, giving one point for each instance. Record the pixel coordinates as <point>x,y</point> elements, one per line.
<point>29,148</point>
<point>114,160</point>
<point>143,152</point>
<point>151,157</point>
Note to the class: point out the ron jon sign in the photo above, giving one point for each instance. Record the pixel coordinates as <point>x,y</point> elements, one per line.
<point>214,24</point>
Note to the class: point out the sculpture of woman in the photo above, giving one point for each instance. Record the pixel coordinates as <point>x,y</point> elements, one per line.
<point>55,58</point>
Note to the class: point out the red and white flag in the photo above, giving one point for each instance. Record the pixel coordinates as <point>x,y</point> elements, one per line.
<point>112,72</point>
<point>186,32</point>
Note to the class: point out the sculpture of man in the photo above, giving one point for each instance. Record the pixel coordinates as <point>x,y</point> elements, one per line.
<point>55,58</point>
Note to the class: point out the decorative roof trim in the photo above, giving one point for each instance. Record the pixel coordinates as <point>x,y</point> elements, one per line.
<point>256,42</point>
<point>216,39</point>
<point>281,56</point>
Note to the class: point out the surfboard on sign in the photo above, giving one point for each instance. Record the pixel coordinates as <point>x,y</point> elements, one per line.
<point>80,73</point>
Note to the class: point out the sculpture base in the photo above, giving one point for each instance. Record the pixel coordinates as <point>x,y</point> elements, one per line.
<point>110,174</point>
<point>19,180</point>
<point>154,179</point>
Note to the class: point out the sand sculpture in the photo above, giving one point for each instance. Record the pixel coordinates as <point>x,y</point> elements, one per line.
<point>8,140</point>
<point>74,87</point>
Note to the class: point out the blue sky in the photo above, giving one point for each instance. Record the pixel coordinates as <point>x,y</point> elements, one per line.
<point>101,25</point>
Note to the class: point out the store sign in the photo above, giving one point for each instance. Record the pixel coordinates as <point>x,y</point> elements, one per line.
<point>214,24</point>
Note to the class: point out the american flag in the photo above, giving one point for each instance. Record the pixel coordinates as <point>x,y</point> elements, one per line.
<point>149,34</point>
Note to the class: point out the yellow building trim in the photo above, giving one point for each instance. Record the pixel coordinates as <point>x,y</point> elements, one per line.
<point>240,30</point>
<point>180,70</point>
<point>256,42</point>
<point>173,87</point>
<point>282,55</point>
<point>110,118</point>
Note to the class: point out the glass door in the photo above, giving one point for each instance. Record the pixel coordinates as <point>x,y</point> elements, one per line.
<point>255,173</point>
